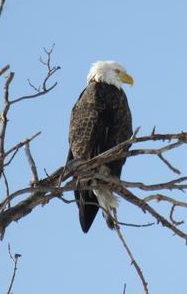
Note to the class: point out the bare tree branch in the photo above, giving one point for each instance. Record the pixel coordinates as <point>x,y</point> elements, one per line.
<point>4,68</point>
<point>32,164</point>
<point>4,119</point>
<point>15,261</point>
<point>124,289</point>
<point>20,145</point>
<point>171,185</point>
<point>177,223</point>
<point>159,197</point>
<point>43,89</point>
<point>132,259</point>
<point>7,188</point>
<point>174,202</point>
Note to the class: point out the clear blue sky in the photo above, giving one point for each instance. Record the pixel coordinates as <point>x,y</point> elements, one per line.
<point>149,39</point>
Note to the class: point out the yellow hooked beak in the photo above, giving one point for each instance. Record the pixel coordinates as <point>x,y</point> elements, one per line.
<point>125,78</point>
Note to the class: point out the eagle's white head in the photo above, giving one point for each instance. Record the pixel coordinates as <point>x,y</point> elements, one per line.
<point>109,72</point>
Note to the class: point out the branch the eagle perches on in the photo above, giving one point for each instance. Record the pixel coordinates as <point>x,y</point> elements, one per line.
<point>40,192</point>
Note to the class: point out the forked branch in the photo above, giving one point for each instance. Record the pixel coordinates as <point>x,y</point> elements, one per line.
<point>43,89</point>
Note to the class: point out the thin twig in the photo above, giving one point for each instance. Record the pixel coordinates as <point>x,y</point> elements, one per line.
<point>177,223</point>
<point>171,185</point>
<point>51,70</point>
<point>36,95</point>
<point>174,203</point>
<point>169,165</point>
<point>4,68</point>
<point>15,261</point>
<point>21,144</point>
<point>159,197</point>
<point>124,289</point>
<point>11,158</point>
<point>133,261</point>
<point>36,89</point>
<point>135,225</point>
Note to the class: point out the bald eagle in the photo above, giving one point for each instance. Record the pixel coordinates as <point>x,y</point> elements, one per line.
<point>100,120</point>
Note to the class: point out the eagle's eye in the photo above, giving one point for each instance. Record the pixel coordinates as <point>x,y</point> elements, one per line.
<point>117,70</point>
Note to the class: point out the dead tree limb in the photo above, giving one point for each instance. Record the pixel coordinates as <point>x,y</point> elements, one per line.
<point>48,188</point>
<point>4,119</point>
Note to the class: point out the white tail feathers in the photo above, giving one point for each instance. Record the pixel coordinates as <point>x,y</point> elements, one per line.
<point>109,202</point>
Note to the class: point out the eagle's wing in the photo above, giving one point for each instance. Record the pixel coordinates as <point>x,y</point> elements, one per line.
<point>85,125</point>
<point>84,131</point>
